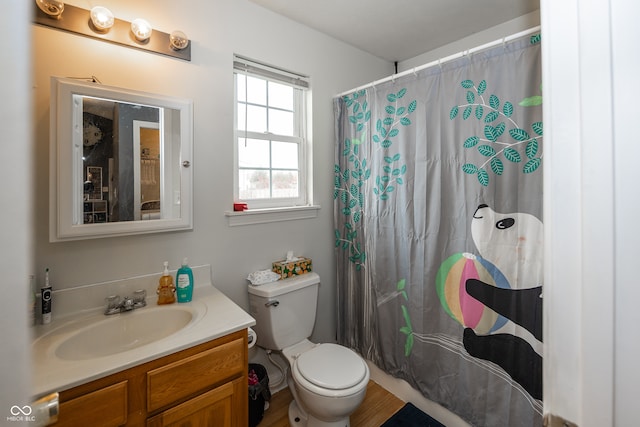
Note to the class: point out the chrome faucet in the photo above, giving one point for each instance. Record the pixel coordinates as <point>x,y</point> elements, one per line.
<point>115,304</point>
<point>126,304</point>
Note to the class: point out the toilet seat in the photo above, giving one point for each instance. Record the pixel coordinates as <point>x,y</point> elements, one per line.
<point>330,370</point>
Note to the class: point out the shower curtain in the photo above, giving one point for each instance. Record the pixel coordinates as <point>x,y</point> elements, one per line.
<point>438,231</point>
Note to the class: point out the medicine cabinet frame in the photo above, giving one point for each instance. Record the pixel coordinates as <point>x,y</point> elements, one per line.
<point>66,198</point>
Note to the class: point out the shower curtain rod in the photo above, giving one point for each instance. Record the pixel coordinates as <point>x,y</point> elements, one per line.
<point>445,59</point>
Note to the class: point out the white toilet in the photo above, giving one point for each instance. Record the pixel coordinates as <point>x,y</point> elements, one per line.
<point>328,381</point>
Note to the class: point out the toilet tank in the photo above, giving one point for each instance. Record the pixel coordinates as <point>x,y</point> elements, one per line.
<point>285,311</point>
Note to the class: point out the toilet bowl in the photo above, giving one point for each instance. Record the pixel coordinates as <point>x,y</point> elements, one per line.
<point>328,381</point>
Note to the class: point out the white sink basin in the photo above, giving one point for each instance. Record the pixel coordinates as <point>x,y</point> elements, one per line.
<point>122,332</point>
<point>86,345</point>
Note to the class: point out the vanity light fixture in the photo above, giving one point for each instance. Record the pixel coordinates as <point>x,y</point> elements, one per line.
<point>53,8</point>
<point>141,29</point>
<point>102,19</point>
<point>178,40</point>
<point>99,23</point>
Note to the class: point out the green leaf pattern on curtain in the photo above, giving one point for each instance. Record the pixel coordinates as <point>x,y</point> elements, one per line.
<point>497,147</point>
<point>349,183</point>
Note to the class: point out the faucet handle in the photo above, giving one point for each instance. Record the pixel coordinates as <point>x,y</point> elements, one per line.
<point>139,298</point>
<point>113,304</point>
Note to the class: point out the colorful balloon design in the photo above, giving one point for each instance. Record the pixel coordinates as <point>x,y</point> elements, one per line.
<point>466,310</point>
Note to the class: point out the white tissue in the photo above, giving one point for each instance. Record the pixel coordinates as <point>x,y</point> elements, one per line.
<point>290,257</point>
<point>263,276</point>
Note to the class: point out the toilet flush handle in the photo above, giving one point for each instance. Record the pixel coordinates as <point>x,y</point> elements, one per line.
<point>272,303</point>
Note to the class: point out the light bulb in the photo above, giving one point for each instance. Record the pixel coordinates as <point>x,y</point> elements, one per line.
<point>102,18</point>
<point>141,29</point>
<point>53,8</point>
<point>178,40</point>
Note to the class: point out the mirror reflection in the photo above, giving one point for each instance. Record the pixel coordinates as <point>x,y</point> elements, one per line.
<point>122,161</point>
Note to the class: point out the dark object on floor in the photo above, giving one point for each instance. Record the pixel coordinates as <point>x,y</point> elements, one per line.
<point>410,416</point>
<point>258,392</point>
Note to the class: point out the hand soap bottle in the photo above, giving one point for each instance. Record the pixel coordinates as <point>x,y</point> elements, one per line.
<point>184,282</point>
<point>166,289</point>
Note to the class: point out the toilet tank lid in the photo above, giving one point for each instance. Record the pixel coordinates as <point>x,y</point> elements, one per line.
<point>285,285</point>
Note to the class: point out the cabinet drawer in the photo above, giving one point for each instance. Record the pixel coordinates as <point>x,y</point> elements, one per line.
<point>104,407</point>
<point>194,374</point>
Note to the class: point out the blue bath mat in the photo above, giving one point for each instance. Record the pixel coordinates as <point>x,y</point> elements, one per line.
<point>410,416</point>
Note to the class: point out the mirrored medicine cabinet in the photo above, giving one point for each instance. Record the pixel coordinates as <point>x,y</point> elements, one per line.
<point>120,161</point>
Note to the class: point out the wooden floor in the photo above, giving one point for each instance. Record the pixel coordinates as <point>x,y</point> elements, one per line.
<point>377,407</point>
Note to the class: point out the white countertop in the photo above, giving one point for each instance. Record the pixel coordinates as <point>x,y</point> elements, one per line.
<point>215,316</point>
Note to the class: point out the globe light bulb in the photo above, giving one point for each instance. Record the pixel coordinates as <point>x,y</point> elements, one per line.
<point>102,18</point>
<point>53,8</point>
<point>178,40</point>
<point>141,29</point>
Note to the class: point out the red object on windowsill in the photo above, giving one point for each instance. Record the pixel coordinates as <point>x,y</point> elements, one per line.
<point>239,207</point>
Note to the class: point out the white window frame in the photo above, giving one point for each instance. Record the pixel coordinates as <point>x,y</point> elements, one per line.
<point>301,86</point>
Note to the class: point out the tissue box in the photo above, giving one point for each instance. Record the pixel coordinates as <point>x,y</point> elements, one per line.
<point>291,268</point>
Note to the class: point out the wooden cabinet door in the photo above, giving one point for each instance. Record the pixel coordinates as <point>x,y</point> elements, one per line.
<point>216,407</point>
<point>106,407</point>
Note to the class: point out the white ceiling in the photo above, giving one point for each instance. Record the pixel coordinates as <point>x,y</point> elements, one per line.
<point>397,30</point>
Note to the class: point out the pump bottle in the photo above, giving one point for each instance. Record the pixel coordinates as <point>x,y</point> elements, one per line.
<point>166,289</point>
<point>184,281</point>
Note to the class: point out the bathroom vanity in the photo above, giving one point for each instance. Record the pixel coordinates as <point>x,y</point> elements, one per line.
<point>203,385</point>
<point>154,366</point>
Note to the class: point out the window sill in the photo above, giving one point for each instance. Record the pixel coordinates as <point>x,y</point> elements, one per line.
<point>262,216</point>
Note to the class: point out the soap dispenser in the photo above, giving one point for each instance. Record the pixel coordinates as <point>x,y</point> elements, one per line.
<point>184,282</point>
<point>166,289</point>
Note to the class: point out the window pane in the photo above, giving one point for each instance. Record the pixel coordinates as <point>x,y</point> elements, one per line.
<point>281,122</point>
<point>280,96</point>
<point>284,155</point>
<point>240,87</point>
<point>256,119</point>
<point>285,184</point>
<point>257,90</point>
<point>254,153</point>
<point>253,184</point>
